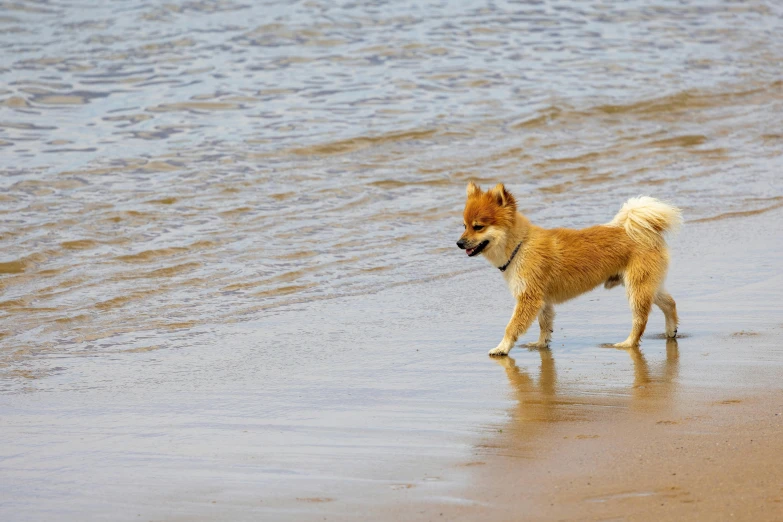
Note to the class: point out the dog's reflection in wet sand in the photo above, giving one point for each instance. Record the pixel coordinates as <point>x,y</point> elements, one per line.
<point>655,389</point>
<point>542,401</point>
<point>538,402</point>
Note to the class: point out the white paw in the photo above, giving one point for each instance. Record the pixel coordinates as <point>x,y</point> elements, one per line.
<point>539,345</point>
<point>625,344</point>
<point>500,350</point>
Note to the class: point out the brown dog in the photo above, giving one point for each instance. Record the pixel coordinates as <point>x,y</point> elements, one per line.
<point>547,267</point>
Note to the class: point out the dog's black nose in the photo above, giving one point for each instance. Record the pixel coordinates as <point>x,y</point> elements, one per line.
<point>461,244</point>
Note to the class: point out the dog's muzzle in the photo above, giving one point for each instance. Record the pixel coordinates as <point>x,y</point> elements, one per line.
<point>474,251</point>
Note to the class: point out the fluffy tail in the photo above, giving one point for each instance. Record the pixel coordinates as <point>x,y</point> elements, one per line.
<point>646,219</point>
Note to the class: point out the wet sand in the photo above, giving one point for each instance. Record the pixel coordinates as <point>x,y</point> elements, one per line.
<point>693,434</point>
<point>714,458</point>
<point>405,416</point>
<point>698,438</point>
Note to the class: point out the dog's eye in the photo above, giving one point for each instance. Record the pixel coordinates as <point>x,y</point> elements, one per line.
<point>478,227</point>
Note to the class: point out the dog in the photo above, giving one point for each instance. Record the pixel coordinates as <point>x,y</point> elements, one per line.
<point>545,267</point>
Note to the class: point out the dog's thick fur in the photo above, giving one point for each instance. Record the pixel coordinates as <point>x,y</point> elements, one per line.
<point>553,266</point>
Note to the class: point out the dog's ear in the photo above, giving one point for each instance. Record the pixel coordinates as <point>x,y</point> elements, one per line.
<point>503,196</point>
<point>473,189</point>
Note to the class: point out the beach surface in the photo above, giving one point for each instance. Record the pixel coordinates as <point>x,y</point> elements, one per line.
<point>229,285</point>
<point>410,417</point>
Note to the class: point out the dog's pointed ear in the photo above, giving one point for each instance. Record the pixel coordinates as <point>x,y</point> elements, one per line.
<point>473,190</point>
<point>503,196</point>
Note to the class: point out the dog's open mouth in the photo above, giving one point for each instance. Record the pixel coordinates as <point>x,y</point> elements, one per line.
<point>477,250</point>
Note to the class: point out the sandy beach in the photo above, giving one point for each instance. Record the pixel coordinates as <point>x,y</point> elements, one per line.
<point>229,285</point>
<point>413,420</point>
<point>685,429</point>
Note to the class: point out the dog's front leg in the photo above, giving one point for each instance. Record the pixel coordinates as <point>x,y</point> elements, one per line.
<point>525,312</point>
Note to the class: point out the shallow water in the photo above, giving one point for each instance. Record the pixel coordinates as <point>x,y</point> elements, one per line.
<point>170,168</point>
<point>227,235</point>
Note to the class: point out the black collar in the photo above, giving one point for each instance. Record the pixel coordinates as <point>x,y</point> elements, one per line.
<point>503,268</point>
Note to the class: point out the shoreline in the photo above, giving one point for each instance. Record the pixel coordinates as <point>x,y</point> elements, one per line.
<point>404,415</point>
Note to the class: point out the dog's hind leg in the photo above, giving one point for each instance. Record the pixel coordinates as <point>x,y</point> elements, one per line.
<point>546,319</point>
<point>642,287</point>
<point>666,303</point>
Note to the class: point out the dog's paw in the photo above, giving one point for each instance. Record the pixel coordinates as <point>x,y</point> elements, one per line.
<point>499,351</point>
<point>625,345</point>
<point>538,345</point>
<point>671,334</point>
